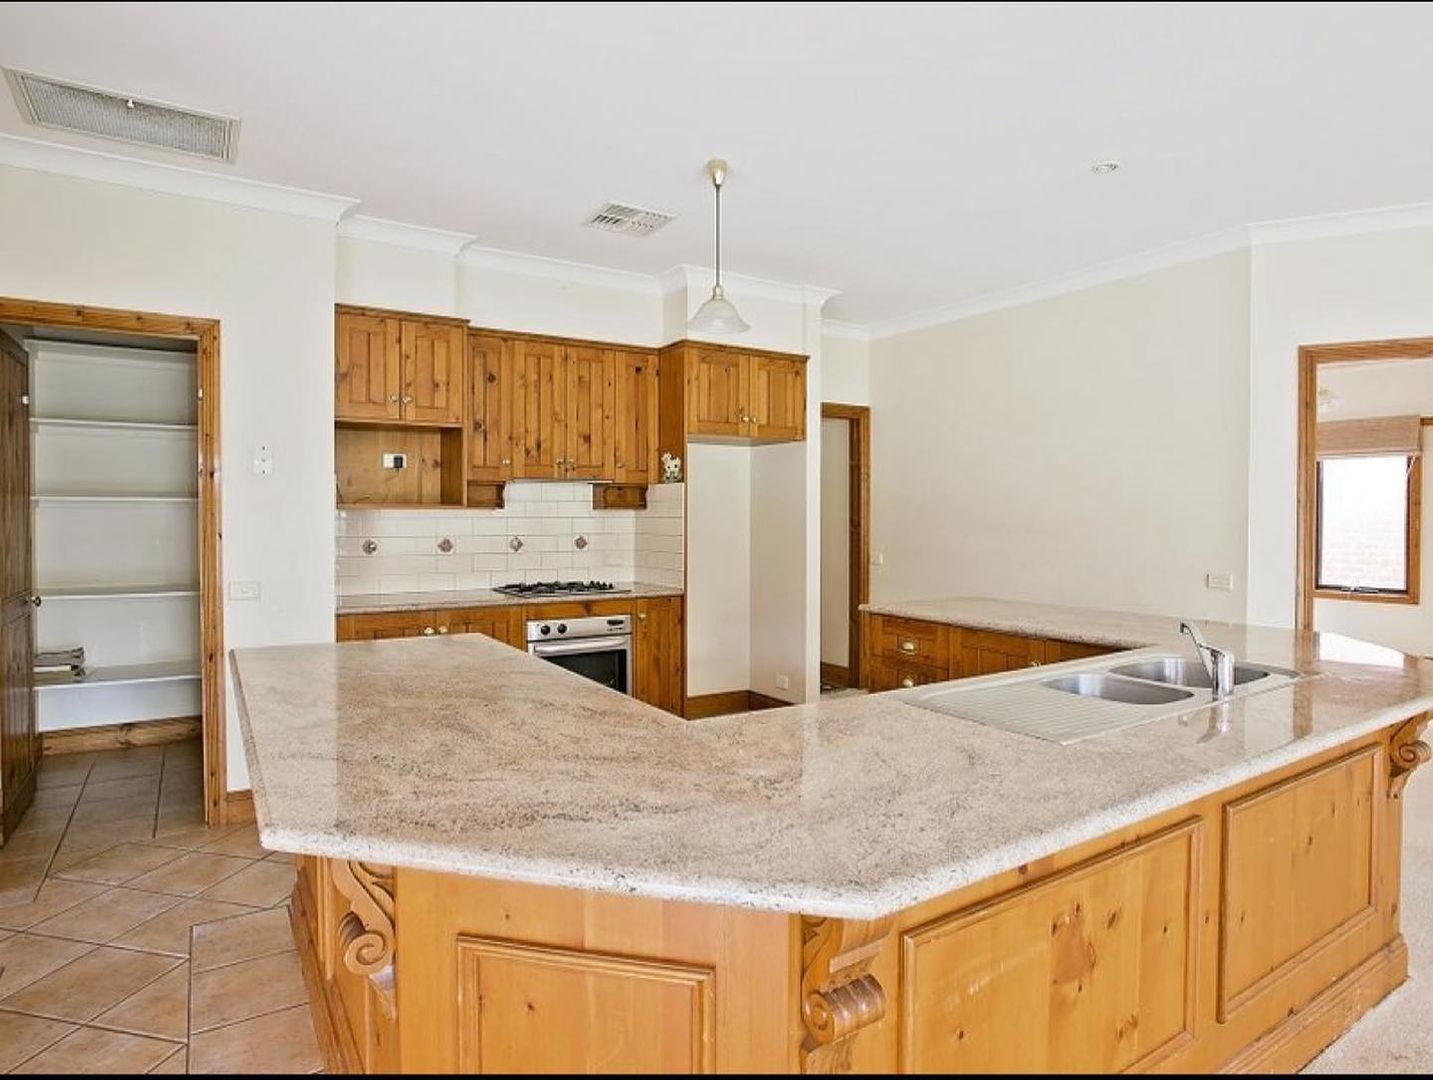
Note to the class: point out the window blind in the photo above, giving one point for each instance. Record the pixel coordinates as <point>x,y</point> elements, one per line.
<point>1375,435</point>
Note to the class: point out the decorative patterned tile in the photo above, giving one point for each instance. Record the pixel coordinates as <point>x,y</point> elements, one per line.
<point>281,1042</point>
<point>89,1050</point>
<point>89,985</point>
<point>226,995</point>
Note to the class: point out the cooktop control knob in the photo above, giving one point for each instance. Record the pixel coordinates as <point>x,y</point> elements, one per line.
<point>544,629</point>
<point>562,628</point>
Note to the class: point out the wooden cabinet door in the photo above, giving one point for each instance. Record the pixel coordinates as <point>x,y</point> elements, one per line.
<point>539,410</point>
<point>659,669</point>
<point>984,652</point>
<point>717,387</point>
<point>591,405</point>
<point>634,428</point>
<point>19,742</point>
<point>1055,651</point>
<point>504,624</point>
<point>394,624</point>
<point>368,368</point>
<point>778,399</point>
<point>490,408</point>
<point>433,372</point>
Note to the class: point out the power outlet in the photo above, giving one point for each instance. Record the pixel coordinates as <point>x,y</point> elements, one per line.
<point>783,682</point>
<point>243,590</point>
<point>395,461</point>
<point>1222,582</point>
<point>878,558</point>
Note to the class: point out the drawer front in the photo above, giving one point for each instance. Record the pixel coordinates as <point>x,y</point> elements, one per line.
<point>1055,651</point>
<point>902,675</point>
<point>985,652</point>
<point>910,641</point>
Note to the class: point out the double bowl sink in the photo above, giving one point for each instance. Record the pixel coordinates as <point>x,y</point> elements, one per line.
<point>1096,699</point>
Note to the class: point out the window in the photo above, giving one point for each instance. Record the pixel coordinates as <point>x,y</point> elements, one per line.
<point>1368,527</point>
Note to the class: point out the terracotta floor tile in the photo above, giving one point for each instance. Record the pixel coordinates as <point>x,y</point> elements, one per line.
<point>176,1063</point>
<point>54,897</point>
<point>160,1009</point>
<point>189,831</point>
<point>90,1050</point>
<point>24,959</point>
<point>97,835</point>
<point>20,879</point>
<point>244,937</point>
<point>107,790</point>
<point>32,844</point>
<point>86,987</point>
<point>190,874</point>
<point>243,841</point>
<point>47,798</point>
<point>281,1042</point>
<point>169,933</point>
<point>64,770</point>
<point>242,991</point>
<point>282,856</point>
<point>106,916</point>
<point>97,813</point>
<point>121,863</point>
<point>260,884</point>
<point>50,817</point>
<point>126,766</point>
<point>22,1037</point>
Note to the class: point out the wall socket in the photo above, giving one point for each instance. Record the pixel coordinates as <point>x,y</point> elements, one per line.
<point>1222,582</point>
<point>783,682</point>
<point>395,461</point>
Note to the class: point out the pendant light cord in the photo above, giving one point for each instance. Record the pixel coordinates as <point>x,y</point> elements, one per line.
<point>718,233</point>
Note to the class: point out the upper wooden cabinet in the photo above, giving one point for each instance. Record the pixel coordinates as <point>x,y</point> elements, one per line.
<point>634,425</point>
<point>396,369</point>
<point>591,409</point>
<point>490,408</point>
<point>712,392</point>
<point>539,410</point>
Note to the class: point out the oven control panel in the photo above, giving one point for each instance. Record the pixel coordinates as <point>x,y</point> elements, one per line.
<point>586,627</point>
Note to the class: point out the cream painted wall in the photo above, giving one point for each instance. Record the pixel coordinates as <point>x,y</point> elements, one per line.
<point>372,274</point>
<point>269,279</point>
<point>1397,388</point>
<point>835,542</point>
<point>500,295</point>
<point>845,369</point>
<point>719,549</point>
<point>1086,449</point>
<point>1347,288</point>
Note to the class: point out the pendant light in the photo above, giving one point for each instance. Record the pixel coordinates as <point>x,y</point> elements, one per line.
<point>718,315</point>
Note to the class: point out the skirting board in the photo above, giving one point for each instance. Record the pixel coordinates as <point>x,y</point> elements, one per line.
<point>835,674</point>
<point>239,808</point>
<point>120,736</point>
<point>729,701</point>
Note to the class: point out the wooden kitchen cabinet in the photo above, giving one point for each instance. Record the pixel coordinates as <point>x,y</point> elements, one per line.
<point>778,399</point>
<point>502,623</point>
<point>910,641</point>
<point>490,408</point>
<point>433,372</point>
<point>634,427</point>
<point>884,673</point>
<point>388,624</point>
<point>718,386</point>
<point>712,392</point>
<point>591,378</point>
<point>986,652</point>
<point>659,670</point>
<point>539,410</point>
<point>398,369</point>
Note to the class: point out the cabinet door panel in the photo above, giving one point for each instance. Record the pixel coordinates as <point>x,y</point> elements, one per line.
<point>591,403</point>
<point>395,624</point>
<point>490,408</point>
<point>717,387</point>
<point>501,623</point>
<point>634,429</point>
<point>985,652</point>
<point>778,399</point>
<point>660,673</point>
<point>539,410</point>
<point>433,372</point>
<point>367,372</point>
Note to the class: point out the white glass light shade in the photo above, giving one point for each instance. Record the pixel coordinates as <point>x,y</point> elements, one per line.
<point>717,316</point>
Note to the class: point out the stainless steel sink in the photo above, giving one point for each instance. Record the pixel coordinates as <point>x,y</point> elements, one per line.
<point>1177,671</point>
<point>1111,687</point>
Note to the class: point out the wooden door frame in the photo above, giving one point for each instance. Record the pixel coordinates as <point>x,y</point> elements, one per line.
<point>858,419</point>
<point>205,334</point>
<point>1310,359</point>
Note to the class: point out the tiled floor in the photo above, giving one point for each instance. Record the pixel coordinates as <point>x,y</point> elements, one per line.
<point>135,939</point>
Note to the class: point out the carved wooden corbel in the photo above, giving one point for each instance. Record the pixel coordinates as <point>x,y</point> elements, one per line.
<point>839,995</point>
<point>1406,751</point>
<point>365,933</point>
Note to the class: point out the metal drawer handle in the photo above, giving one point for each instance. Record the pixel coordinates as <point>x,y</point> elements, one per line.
<point>908,646</point>
<point>442,629</point>
<point>428,631</point>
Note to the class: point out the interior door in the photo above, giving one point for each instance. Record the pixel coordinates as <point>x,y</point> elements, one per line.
<point>368,368</point>
<point>634,432</point>
<point>19,742</point>
<point>433,372</point>
<point>539,410</point>
<point>591,403</point>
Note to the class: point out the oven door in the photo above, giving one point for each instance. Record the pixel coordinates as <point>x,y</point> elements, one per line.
<point>607,660</point>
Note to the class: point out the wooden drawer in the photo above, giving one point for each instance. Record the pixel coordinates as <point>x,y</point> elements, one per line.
<point>902,675</point>
<point>910,641</point>
<point>1055,651</point>
<point>576,609</point>
<point>393,624</point>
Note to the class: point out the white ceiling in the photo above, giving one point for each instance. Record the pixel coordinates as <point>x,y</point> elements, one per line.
<point>911,156</point>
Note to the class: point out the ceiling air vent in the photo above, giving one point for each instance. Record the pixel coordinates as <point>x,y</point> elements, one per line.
<point>631,220</point>
<point>90,111</point>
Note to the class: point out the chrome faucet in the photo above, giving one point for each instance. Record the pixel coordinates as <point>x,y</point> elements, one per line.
<point>1219,663</point>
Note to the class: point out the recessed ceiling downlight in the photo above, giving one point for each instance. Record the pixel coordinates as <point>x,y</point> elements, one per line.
<point>1104,168</point>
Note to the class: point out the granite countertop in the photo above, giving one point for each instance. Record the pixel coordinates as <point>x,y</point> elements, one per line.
<point>376,603</point>
<point>465,756</point>
<point>1089,625</point>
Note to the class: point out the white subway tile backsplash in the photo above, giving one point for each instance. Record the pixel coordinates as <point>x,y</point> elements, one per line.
<point>622,545</point>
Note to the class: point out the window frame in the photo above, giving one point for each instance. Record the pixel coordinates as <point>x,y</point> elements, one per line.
<point>1412,543</point>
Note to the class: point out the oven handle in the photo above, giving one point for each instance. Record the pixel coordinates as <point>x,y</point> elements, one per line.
<point>579,645</point>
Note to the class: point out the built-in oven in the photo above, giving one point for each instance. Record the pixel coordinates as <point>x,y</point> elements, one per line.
<point>597,647</point>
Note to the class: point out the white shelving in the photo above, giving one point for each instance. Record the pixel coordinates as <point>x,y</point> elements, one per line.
<point>116,541</point>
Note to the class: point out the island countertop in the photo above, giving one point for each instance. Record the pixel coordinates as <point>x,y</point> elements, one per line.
<point>465,756</point>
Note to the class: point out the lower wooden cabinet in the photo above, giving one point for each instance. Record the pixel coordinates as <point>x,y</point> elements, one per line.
<point>659,674</point>
<point>883,674</point>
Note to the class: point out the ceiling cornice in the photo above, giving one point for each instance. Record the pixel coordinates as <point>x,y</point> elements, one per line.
<point>514,262</point>
<point>837,328</point>
<point>1352,223</point>
<point>700,279</point>
<point>399,234</point>
<point>170,179</point>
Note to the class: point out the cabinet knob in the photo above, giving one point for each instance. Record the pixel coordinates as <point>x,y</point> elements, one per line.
<point>908,682</point>
<point>407,399</point>
<point>428,631</point>
<point>1034,663</point>
<point>506,461</point>
<point>393,398</point>
<point>641,616</point>
<point>36,601</point>
<point>908,646</point>
<point>442,629</point>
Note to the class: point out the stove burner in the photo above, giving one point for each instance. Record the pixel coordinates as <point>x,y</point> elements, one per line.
<point>557,588</point>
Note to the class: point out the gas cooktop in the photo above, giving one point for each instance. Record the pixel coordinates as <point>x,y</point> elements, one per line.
<point>557,588</point>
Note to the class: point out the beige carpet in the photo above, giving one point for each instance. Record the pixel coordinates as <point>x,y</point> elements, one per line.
<point>1397,1036</point>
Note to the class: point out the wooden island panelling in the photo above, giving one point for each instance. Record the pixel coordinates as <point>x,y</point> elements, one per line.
<point>1239,932</point>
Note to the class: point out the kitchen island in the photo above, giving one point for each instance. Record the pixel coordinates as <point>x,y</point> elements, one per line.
<point>505,867</point>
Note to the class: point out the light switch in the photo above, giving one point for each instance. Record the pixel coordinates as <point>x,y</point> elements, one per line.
<point>263,461</point>
<point>783,682</point>
<point>243,590</point>
<point>878,558</point>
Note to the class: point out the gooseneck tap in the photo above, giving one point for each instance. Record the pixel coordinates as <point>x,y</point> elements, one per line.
<point>1219,663</point>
